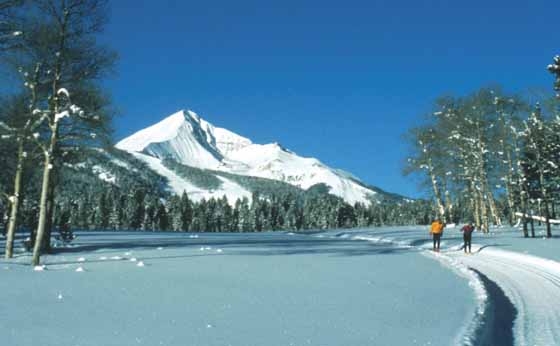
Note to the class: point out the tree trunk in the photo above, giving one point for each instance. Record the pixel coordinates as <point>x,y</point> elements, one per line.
<point>37,247</point>
<point>509,190</point>
<point>545,196</point>
<point>493,209</point>
<point>483,209</point>
<point>448,205</point>
<point>476,209</point>
<point>524,217</point>
<point>12,225</point>
<point>539,211</point>
<point>437,194</point>
<point>46,245</point>
<point>547,219</point>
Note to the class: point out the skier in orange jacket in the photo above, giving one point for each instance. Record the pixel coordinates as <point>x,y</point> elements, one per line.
<point>436,230</point>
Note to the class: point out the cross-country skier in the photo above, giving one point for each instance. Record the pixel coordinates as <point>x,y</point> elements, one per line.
<point>436,230</point>
<point>467,230</point>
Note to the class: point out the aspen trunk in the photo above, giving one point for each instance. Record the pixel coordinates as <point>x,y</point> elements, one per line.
<point>42,213</point>
<point>524,217</point>
<point>483,211</point>
<point>437,194</point>
<point>46,246</point>
<point>476,206</point>
<point>544,195</point>
<point>12,225</point>
<point>509,190</point>
<point>547,218</point>
<point>493,209</point>
<point>44,198</point>
<point>448,204</point>
<point>545,200</point>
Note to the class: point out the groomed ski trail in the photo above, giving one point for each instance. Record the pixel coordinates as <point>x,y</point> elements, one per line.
<point>531,283</point>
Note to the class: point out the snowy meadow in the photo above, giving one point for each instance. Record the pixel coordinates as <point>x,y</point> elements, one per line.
<point>358,287</point>
<point>231,289</point>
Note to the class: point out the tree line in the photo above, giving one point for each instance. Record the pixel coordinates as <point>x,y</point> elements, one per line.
<point>117,209</point>
<point>490,157</point>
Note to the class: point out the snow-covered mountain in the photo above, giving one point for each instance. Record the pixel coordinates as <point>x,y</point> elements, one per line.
<point>192,141</point>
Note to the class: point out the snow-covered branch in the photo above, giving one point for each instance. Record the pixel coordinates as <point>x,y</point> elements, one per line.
<point>537,218</point>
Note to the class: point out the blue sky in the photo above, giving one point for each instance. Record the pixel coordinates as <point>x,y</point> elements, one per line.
<point>338,80</point>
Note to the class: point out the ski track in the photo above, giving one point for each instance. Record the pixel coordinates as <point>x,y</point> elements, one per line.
<point>531,283</point>
<point>533,286</point>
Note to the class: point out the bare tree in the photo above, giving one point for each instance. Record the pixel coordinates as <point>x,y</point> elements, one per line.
<point>57,55</point>
<point>72,61</point>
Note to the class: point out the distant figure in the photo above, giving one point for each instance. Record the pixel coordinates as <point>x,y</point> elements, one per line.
<point>66,234</point>
<point>467,230</point>
<point>436,230</point>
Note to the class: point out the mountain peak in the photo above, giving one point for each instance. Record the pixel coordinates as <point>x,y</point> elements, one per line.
<point>164,130</point>
<point>188,139</point>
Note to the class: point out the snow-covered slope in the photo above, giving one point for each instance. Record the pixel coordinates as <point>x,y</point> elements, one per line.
<point>190,140</point>
<point>178,184</point>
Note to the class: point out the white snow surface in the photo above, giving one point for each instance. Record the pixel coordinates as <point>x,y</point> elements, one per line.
<point>265,288</point>
<point>527,270</point>
<point>104,174</point>
<point>341,287</point>
<point>177,184</point>
<point>191,140</point>
<point>533,286</point>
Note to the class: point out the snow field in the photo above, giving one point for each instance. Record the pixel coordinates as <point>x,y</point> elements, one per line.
<point>261,289</point>
<point>531,282</point>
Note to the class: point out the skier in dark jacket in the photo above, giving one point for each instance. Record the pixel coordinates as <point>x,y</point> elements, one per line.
<point>467,230</point>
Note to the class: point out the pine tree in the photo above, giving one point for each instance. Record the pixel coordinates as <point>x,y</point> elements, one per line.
<point>117,219</point>
<point>186,212</point>
<point>136,209</point>
<point>227,215</point>
<point>175,213</point>
<point>162,218</point>
<point>149,223</point>
<point>104,210</point>
<point>245,216</point>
